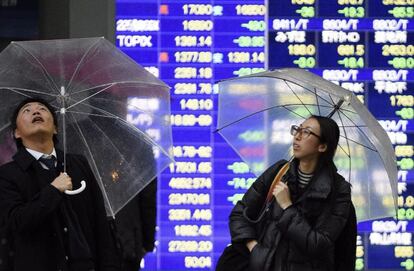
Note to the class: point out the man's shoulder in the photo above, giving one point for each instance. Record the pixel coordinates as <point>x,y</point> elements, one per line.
<point>75,156</point>
<point>69,155</point>
<point>9,166</point>
<point>77,160</point>
<point>10,170</point>
<point>274,168</point>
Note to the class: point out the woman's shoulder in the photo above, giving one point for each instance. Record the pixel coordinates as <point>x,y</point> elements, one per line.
<point>342,185</point>
<point>273,169</point>
<point>277,165</point>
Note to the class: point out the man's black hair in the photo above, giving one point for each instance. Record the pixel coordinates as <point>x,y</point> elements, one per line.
<point>13,119</point>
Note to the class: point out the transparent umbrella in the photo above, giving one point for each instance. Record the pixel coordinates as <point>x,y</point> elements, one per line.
<point>256,112</point>
<point>110,109</point>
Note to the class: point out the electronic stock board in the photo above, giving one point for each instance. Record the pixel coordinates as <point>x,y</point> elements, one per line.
<point>365,46</point>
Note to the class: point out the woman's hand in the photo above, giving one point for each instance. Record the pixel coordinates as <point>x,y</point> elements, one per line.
<point>282,194</point>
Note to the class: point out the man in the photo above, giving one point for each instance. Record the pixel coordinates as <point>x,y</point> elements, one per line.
<point>51,230</point>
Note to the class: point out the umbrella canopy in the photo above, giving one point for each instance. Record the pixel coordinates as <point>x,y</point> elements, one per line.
<point>110,109</point>
<point>256,112</point>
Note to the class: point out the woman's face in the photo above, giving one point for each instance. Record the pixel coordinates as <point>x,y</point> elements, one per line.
<point>306,144</point>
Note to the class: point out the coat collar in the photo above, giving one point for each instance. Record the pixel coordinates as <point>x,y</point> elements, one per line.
<point>24,159</point>
<point>320,185</point>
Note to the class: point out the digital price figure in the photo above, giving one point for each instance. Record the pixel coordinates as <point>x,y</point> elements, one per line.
<point>368,48</point>
<point>186,233</point>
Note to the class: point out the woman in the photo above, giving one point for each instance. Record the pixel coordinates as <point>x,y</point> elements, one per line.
<point>311,222</point>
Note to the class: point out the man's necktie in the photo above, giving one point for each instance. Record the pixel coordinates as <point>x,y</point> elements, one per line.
<point>49,162</point>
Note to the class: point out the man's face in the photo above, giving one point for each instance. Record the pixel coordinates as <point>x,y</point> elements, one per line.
<point>34,119</point>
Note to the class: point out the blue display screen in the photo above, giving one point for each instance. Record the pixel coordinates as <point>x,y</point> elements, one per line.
<point>366,46</point>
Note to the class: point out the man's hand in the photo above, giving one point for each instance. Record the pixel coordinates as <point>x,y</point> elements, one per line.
<point>251,244</point>
<point>62,182</point>
<point>282,195</point>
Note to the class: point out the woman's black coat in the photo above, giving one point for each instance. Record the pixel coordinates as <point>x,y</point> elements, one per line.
<point>303,236</point>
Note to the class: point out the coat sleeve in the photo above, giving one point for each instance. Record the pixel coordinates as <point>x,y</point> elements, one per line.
<point>22,215</point>
<point>108,259</point>
<point>241,229</point>
<point>315,241</point>
<point>148,206</point>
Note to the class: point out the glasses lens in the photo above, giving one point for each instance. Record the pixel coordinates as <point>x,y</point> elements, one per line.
<point>294,130</point>
<point>306,133</point>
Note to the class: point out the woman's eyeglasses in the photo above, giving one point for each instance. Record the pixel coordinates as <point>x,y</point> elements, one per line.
<point>305,132</point>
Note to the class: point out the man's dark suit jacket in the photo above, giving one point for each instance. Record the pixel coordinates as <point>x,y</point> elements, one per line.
<point>29,206</point>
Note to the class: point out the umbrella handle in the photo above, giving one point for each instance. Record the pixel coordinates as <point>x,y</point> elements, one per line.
<point>77,191</point>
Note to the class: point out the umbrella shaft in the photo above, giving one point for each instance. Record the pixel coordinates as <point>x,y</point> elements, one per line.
<point>336,107</point>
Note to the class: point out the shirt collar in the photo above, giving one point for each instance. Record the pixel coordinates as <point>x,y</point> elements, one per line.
<point>38,155</point>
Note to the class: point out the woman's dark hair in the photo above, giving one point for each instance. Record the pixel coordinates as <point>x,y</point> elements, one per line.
<point>329,136</point>
<point>13,119</point>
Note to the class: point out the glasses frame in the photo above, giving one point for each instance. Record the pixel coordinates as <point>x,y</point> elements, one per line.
<point>295,130</point>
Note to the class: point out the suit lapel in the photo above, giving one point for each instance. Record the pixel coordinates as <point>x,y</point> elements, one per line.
<point>31,166</point>
<point>60,158</point>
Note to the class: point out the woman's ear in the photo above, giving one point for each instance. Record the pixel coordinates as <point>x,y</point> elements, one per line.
<point>322,147</point>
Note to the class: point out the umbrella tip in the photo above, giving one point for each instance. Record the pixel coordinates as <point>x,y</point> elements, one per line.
<point>347,98</point>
